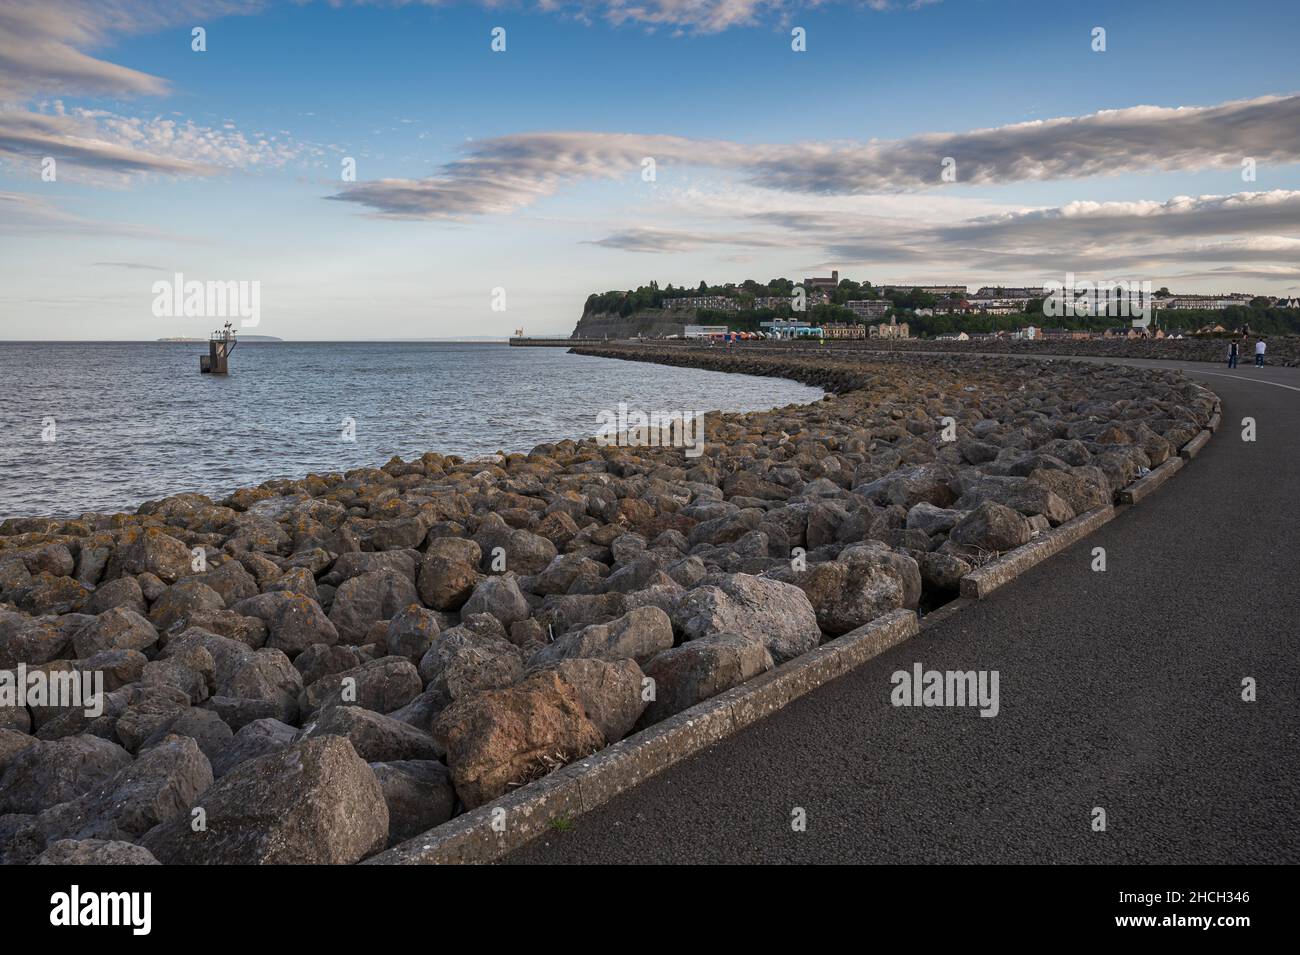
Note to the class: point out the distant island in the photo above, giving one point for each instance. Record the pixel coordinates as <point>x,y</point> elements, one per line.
<point>242,338</point>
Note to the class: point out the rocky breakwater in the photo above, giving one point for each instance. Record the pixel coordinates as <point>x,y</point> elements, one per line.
<point>311,670</point>
<point>1283,350</point>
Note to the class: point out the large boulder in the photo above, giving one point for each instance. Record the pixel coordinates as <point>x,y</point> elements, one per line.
<point>46,773</point>
<point>991,527</point>
<point>253,740</point>
<point>611,693</point>
<point>114,629</point>
<point>775,613</point>
<point>36,642</point>
<point>231,581</point>
<point>150,708</point>
<point>364,562</point>
<point>847,595</point>
<point>381,685</point>
<point>911,485</point>
<point>449,572</point>
<point>203,726</point>
<point>374,736</point>
<point>361,601</point>
<point>260,685</point>
<point>419,795</point>
<point>12,743</point>
<point>293,622</point>
<point>499,596</point>
<point>315,802</point>
<point>124,592</point>
<point>932,520</point>
<point>150,550</point>
<point>523,551</point>
<point>502,738</point>
<point>162,784</point>
<point>411,633</point>
<point>637,635</point>
<point>1075,487</point>
<point>462,661</point>
<point>943,572</point>
<point>172,610</point>
<point>700,669</point>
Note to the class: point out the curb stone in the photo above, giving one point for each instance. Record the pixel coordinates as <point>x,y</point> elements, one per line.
<point>582,786</point>
<point>1193,447</point>
<point>1142,487</point>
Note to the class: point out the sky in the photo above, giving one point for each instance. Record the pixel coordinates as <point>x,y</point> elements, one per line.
<point>975,142</point>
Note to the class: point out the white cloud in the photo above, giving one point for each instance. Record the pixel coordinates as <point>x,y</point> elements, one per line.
<point>509,172</point>
<point>109,145</point>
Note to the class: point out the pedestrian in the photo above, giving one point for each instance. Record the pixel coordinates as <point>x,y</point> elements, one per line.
<point>1259,353</point>
<point>1232,354</point>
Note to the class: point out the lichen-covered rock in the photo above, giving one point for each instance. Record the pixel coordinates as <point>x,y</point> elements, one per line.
<point>419,795</point>
<point>777,614</point>
<point>612,693</point>
<point>637,635</point>
<point>498,739</point>
<point>114,629</point>
<point>499,596</point>
<point>991,527</point>
<point>700,669</point>
<point>449,573</point>
<point>253,740</point>
<point>411,632</point>
<point>847,595</point>
<point>362,600</point>
<point>315,802</point>
<point>293,622</point>
<point>95,852</point>
<point>374,736</point>
<point>150,550</point>
<point>171,611</point>
<point>46,773</point>
<point>381,685</point>
<point>162,784</point>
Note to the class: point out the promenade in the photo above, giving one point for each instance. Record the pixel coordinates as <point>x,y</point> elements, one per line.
<point>1119,689</point>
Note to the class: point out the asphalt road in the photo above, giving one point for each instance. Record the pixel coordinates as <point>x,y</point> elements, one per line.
<point>1118,689</point>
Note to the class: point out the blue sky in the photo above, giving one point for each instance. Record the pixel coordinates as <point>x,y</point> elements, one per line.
<point>225,165</point>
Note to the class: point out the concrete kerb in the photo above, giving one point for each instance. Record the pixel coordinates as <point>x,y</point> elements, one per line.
<point>1193,447</point>
<point>1142,487</point>
<point>491,831</point>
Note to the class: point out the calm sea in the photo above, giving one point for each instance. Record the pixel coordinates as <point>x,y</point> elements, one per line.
<point>134,421</point>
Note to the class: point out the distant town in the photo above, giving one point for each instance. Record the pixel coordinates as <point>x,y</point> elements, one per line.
<point>835,307</point>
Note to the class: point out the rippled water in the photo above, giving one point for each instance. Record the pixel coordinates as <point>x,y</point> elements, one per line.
<point>135,421</point>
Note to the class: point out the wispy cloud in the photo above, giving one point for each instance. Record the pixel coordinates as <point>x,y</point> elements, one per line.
<point>133,266</point>
<point>1156,238</point>
<point>28,215</point>
<point>43,43</point>
<point>509,172</point>
<point>121,145</point>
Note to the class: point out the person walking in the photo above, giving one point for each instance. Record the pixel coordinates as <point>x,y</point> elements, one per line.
<point>1232,354</point>
<point>1259,353</point>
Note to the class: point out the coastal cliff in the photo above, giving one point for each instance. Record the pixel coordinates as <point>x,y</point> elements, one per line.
<point>648,322</point>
